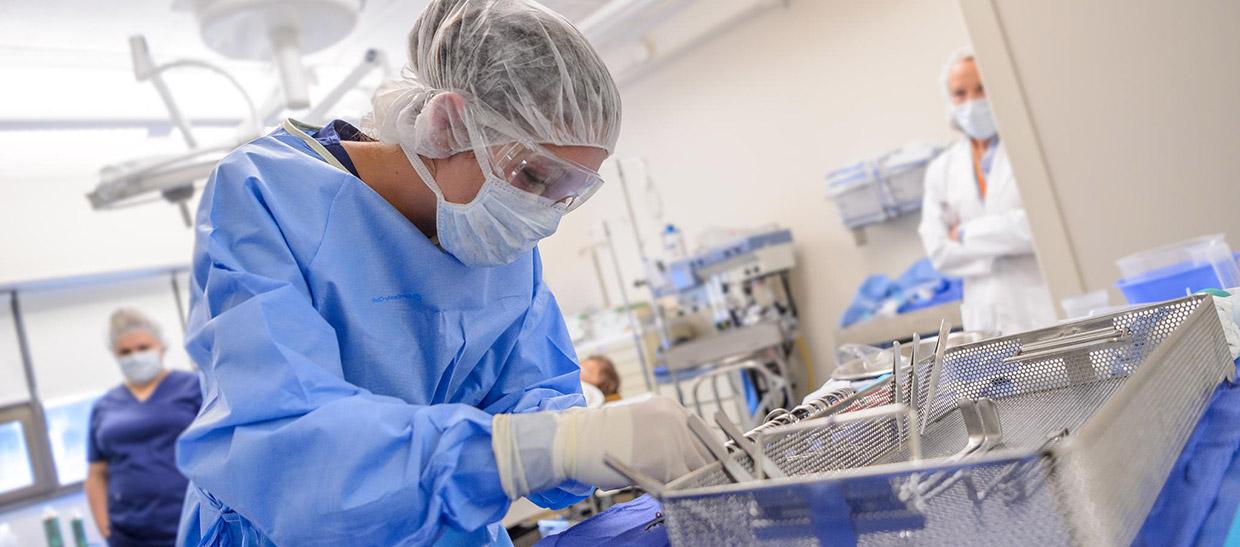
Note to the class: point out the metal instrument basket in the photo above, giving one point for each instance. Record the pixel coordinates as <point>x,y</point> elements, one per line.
<point>1093,415</point>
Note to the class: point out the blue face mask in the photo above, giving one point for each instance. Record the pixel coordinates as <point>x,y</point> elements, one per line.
<point>141,367</point>
<point>497,227</point>
<point>975,119</point>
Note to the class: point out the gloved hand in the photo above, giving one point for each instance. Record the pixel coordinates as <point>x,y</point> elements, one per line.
<point>540,450</point>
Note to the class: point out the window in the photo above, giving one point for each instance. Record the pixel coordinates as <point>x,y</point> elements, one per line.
<point>21,454</point>
<point>15,470</point>
<point>68,430</point>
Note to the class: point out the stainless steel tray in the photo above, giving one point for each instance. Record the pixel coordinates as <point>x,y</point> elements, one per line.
<point>1094,414</point>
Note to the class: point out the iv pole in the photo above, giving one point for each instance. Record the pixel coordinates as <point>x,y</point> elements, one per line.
<point>660,323</point>
<point>634,324</point>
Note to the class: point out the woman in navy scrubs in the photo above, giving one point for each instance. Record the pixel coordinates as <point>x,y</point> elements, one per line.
<point>133,487</point>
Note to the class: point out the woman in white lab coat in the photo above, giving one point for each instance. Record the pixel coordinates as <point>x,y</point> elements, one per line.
<point>973,223</point>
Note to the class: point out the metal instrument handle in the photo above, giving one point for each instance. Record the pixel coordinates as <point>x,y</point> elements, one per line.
<point>767,467</point>
<point>881,412</point>
<point>940,348</point>
<point>897,396</point>
<point>1115,338</point>
<point>1072,339</point>
<point>913,394</point>
<point>642,480</point>
<point>716,448</point>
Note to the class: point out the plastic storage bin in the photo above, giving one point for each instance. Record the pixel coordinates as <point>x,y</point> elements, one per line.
<point>904,174</point>
<point>1168,272</point>
<point>858,194</point>
<point>1085,305</point>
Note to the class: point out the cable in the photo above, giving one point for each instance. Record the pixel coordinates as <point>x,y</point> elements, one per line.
<point>249,103</point>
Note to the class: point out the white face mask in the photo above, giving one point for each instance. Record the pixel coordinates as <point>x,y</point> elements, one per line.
<point>141,367</point>
<point>974,119</point>
<point>497,227</point>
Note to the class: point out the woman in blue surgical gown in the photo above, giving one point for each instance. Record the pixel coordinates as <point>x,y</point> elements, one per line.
<point>381,361</point>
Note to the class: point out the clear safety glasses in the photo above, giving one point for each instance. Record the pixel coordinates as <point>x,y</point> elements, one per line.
<point>536,170</point>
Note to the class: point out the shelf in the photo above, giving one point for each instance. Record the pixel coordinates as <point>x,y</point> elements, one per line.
<point>881,331</point>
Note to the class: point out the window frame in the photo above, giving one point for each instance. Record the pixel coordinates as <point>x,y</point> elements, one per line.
<point>30,414</point>
<point>38,452</point>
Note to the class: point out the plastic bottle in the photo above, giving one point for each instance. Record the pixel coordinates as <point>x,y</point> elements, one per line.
<point>673,243</point>
<point>7,537</point>
<point>79,529</point>
<point>51,528</point>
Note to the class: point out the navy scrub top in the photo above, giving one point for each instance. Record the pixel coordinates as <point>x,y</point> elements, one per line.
<point>137,440</point>
<point>335,132</point>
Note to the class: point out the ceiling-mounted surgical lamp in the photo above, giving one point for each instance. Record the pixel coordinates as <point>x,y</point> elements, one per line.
<point>172,177</point>
<point>279,31</point>
<point>169,177</point>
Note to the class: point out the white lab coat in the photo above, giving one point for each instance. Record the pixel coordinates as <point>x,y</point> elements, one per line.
<point>1003,287</point>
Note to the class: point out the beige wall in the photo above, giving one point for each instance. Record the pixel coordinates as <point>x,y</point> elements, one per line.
<point>1125,117</point>
<point>740,132</point>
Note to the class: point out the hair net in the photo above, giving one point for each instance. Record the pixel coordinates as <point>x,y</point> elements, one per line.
<point>524,72</point>
<point>962,54</point>
<point>127,320</point>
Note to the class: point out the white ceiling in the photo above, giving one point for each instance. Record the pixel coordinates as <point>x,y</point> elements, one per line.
<point>73,59</point>
<point>78,32</point>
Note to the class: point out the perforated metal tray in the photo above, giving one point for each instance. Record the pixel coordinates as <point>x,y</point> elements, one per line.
<point>1127,388</point>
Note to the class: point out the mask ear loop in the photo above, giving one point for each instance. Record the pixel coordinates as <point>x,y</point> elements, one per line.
<point>478,144</point>
<point>423,172</point>
<point>429,134</point>
<point>475,121</point>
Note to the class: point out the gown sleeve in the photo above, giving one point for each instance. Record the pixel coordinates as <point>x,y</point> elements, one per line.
<point>541,374</point>
<point>283,440</point>
<point>949,257</point>
<point>1000,234</point>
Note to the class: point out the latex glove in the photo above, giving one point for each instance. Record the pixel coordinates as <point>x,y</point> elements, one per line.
<point>541,450</point>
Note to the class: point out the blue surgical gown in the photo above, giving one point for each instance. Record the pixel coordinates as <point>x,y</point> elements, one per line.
<point>351,367</point>
<point>137,439</point>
